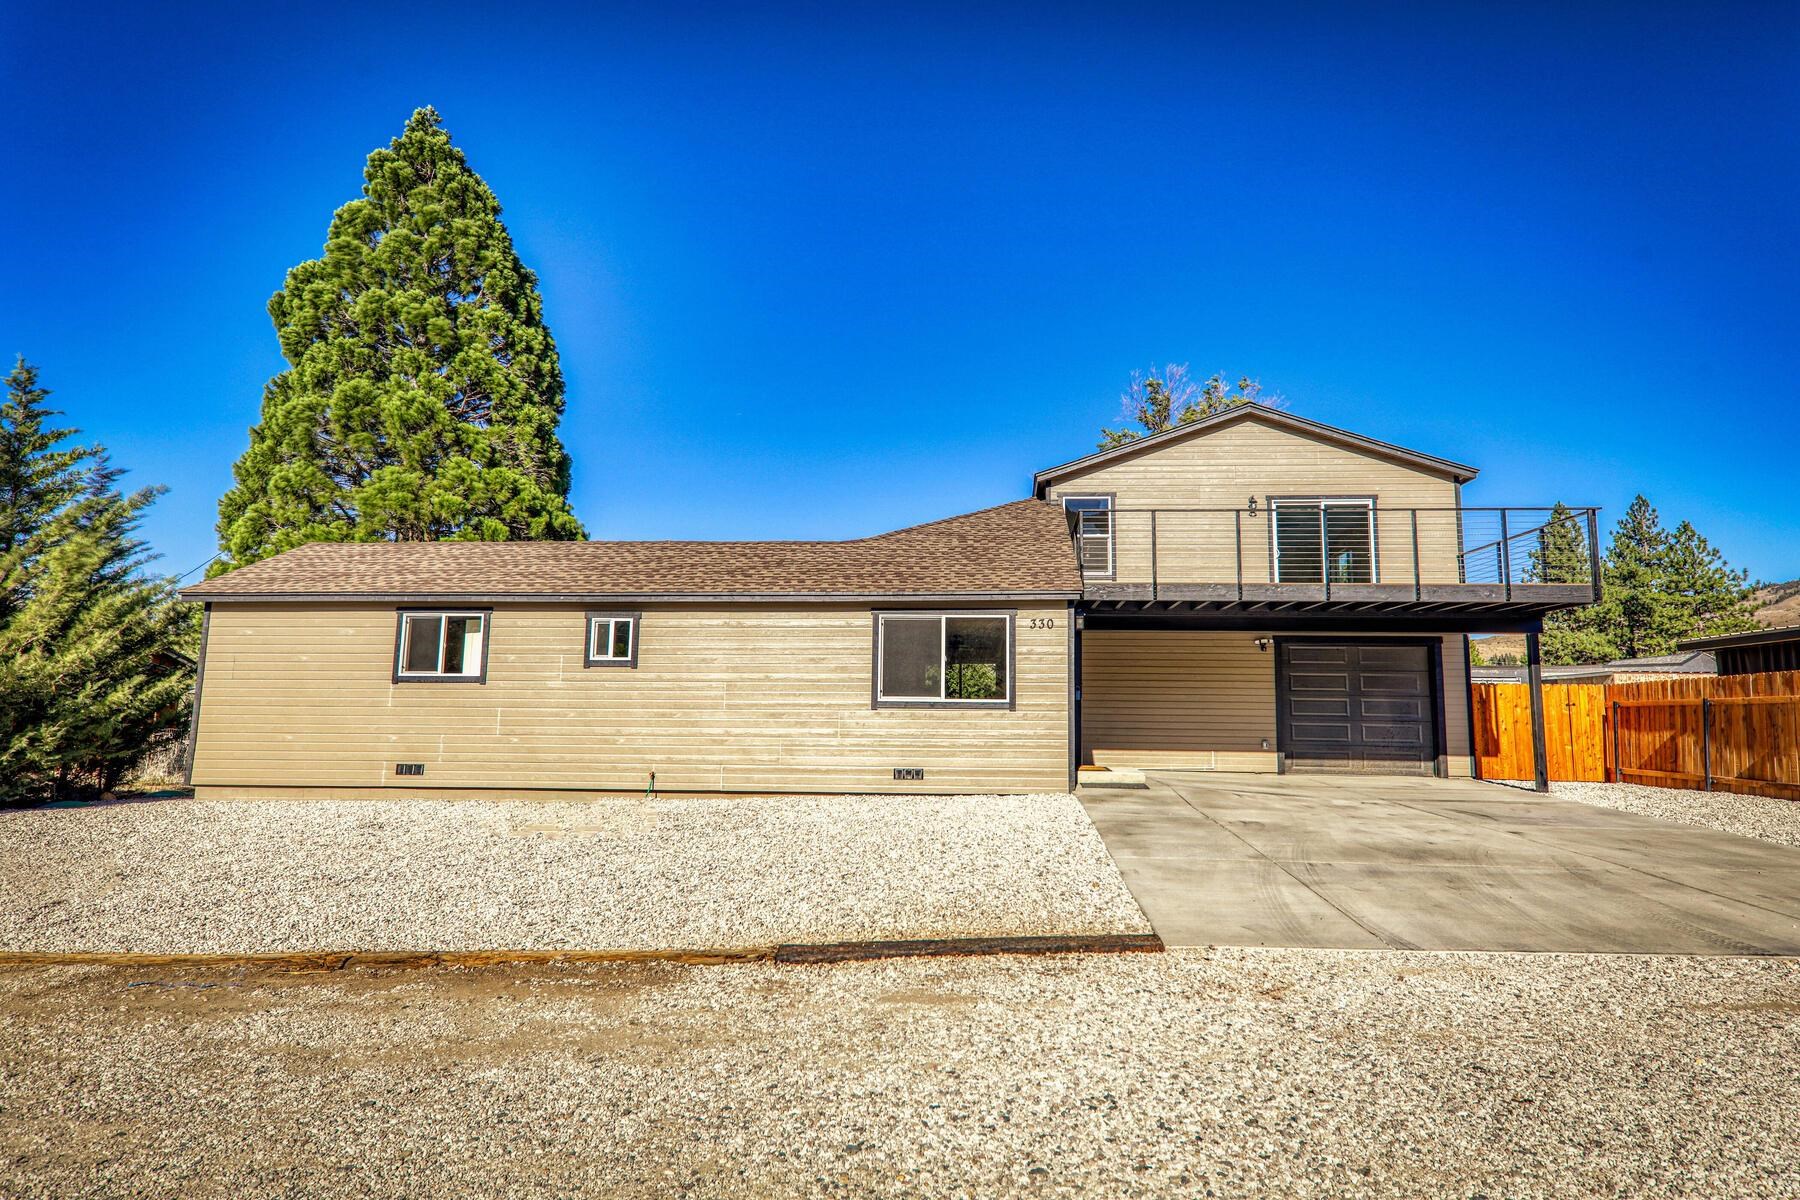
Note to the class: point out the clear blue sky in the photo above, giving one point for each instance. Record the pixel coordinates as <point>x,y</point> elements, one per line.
<point>818,272</point>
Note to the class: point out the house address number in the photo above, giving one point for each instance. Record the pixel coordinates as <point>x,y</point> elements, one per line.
<point>1043,622</point>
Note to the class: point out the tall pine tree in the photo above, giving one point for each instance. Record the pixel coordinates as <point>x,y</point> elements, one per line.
<point>1711,598</point>
<point>1660,587</point>
<point>1636,610</point>
<point>1561,556</point>
<point>423,390</point>
<point>92,678</point>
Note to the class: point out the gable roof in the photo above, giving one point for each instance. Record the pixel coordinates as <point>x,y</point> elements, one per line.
<point>1460,472</point>
<point>1018,550</point>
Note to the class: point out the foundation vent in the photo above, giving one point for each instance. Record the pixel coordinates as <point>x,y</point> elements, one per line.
<point>409,768</point>
<point>916,773</point>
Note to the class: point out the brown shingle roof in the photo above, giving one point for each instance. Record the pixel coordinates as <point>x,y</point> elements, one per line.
<point>1015,549</point>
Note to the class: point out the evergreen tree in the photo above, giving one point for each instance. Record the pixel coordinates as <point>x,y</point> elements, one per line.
<point>1710,599</point>
<point>1659,587</point>
<point>1160,400</point>
<point>36,478</point>
<point>423,389</point>
<point>1636,611</point>
<point>91,677</point>
<point>1561,556</point>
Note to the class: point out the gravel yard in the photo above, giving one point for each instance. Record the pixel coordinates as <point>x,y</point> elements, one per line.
<point>1229,1073</point>
<point>1747,816</point>
<point>242,877</point>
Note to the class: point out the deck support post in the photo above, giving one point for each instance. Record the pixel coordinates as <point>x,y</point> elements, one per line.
<point>1540,759</point>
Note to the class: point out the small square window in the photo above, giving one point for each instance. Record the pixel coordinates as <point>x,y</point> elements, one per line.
<point>612,640</point>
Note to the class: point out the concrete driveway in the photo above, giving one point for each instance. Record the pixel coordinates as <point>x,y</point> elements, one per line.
<point>1433,864</point>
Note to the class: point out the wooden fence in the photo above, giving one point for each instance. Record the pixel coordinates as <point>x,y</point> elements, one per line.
<point>1734,733</point>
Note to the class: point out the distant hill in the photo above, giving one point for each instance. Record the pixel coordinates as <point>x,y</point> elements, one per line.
<point>1776,604</point>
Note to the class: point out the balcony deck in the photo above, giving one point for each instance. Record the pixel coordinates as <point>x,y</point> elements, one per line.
<point>1479,570</point>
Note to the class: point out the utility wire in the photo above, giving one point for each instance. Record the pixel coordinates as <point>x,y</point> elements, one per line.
<point>209,562</point>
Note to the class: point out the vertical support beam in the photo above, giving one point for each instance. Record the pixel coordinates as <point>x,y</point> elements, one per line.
<point>1237,529</point>
<point>1593,532</point>
<point>1325,550</point>
<point>1506,559</point>
<point>1540,759</point>
<point>1152,554</point>
<point>1706,744</point>
<point>1417,594</point>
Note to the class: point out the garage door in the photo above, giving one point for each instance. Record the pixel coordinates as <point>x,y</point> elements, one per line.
<point>1356,708</point>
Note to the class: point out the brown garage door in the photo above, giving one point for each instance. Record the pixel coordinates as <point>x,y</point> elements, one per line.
<point>1356,708</point>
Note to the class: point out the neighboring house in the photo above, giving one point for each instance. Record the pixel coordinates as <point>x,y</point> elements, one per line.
<point>1775,649</point>
<point>1249,592</point>
<point>1619,670</point>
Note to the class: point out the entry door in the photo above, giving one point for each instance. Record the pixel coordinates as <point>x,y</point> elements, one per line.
<point>1356,708</point>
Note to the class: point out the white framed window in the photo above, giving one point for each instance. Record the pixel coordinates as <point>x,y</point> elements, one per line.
<point>612,639</point>
<point>933,659</point>
<point>1092,517</point>
<point>441,646</point>
<point>1324,539</point>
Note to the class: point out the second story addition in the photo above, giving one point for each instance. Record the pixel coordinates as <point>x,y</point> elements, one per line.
<point>1256,511</point>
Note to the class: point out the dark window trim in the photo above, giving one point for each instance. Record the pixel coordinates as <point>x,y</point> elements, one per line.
<point>1012,656</point>
<point>1324,572</point>
<point>636,618</point>
<point>1112,547</point>
<point>1434,658</point>
<point>487,640</point>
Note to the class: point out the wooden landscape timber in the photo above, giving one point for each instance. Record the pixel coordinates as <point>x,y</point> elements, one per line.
<point>785,953</point>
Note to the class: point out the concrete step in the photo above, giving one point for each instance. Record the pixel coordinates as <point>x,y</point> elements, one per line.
<point>1111,777</point>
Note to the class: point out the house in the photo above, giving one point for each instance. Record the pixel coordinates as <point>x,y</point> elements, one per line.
<point>1249,592</point>
<point>1776,648</point>
<point>1619,670</point>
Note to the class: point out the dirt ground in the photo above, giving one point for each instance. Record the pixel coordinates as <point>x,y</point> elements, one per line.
<point>1227,1073</point>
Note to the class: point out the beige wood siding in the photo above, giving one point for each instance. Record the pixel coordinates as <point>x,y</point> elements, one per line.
<point>1178,698</point>
<point>732,698</point>
<point>1223,469</point>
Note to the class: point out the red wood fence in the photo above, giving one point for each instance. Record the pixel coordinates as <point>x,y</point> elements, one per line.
<point>1733,733</point>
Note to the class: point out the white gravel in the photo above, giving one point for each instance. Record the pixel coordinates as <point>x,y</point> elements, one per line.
<point>1231,1073</point>
<point>1762,817</point>
<point>241,877</point>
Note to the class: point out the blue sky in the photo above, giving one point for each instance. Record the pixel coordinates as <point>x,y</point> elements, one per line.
<point>821,271</point>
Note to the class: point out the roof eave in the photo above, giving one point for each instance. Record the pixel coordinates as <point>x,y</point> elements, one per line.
<point>636,597</point>
<point>1754,637</point>
<point>1459,472</point>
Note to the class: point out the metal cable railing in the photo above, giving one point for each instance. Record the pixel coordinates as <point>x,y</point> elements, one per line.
<point>1343,545</point>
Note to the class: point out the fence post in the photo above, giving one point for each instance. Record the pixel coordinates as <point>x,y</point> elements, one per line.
<point>1706,743</point>
<point>1619,774</point>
